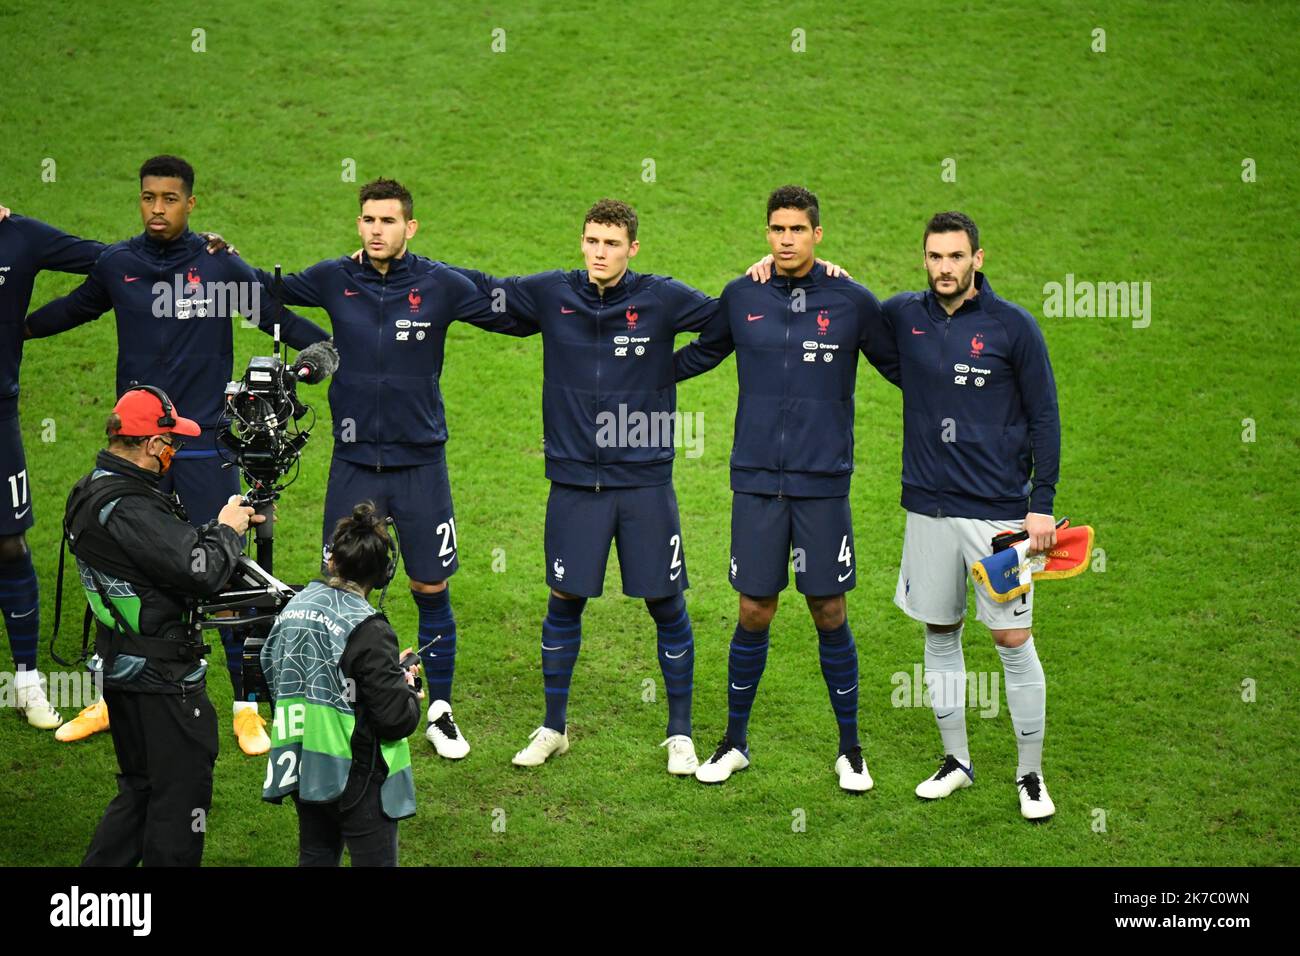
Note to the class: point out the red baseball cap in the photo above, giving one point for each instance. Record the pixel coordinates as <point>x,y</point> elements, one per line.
<point>145,410</point>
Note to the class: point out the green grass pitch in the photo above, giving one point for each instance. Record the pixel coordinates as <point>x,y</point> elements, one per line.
<point>1172,674</point>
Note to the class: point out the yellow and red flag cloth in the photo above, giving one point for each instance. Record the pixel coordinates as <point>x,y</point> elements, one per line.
<point>1010,570</point>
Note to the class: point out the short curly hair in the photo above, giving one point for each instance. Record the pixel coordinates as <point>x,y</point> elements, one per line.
<point>171,167</point>
<point>795,197</point>
<point>612,212</point>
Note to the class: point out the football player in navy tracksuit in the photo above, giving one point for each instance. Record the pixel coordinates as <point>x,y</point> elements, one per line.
<point>390,313</point>
<point>608,406</point>
<point>27,246</point>
<point>981,455</point>
<point>174,304</point>
<point>797,340</point>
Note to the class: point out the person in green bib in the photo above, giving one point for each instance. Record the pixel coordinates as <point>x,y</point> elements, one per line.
<point>343,706</point>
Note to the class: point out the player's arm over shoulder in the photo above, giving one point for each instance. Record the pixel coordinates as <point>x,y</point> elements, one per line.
<point>715,342</point>
<point>310,287</point>
<point>87,301</point>
<point>516,304</point>
<point>295,288</point>
<point>58,251</point>
<point>691,309</point>
<point>876,333</point>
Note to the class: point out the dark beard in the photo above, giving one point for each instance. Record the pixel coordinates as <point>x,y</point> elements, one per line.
<point>962,287</point>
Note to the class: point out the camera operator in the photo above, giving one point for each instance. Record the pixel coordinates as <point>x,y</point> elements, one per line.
<point>144,566</point>
<point>344,706</point>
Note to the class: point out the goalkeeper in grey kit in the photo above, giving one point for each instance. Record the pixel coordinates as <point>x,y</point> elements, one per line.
<point>976,363</point>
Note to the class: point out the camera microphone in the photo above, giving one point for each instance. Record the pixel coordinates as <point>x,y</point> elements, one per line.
<point>315,363</point>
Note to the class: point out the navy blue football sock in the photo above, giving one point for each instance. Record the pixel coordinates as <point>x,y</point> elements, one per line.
<point>561,640</point>
<point>437,641</point>
<point>745,666</point>
<point>839,656</point>
<point>233,641</point>
<point>20,602</point>
<point>676,659</point>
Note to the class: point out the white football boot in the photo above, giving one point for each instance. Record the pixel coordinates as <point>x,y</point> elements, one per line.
<point>443,732</point>
<point>725,761</point>
<point>543,743</point>
<point>852,769</point>
<point>682,761</point>
<point>32,703</point>
<point>950,776</point>
<point>1035,804</point>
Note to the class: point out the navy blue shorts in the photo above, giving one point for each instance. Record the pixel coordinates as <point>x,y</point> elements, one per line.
<point>643,522</point>
<point>767,532</point>
<point>200,482</point>
<point>418,497</point>
<point>15,492</point>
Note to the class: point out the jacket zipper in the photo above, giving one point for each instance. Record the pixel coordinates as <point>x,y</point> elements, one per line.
<point>785,393</point>
<point>600,309</point>
<point>379,355</point>
<point>159,276</point>
<point>943,352</point>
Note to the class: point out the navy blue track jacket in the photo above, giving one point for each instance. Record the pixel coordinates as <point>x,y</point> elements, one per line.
<point>796,342</point>
<point>979,407</point>
<point>174,303</point>
<point>26,247</point>
<point>608,360</point>
<point>390,330</point>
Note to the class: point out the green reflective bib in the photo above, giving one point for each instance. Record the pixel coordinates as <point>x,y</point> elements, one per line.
<point>311,735</point>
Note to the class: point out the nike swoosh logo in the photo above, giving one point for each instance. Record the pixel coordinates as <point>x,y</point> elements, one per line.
<point>845,575</point>
<point>449,560</point>
<point>1020,612</point>
<point>916,331</point>
<point>675,575</point>
<point>545,648</point>
<point>350,292</point>
<point>944,716</point>
<point>666,654</point>
<point>19,514</point>
<point>33,611</point>
<point>564,311</point>
<point>849,691</point>
<point>127,278</point>
<point>752,318</point>
<point>1030,734</point>
<point>746,687</point>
